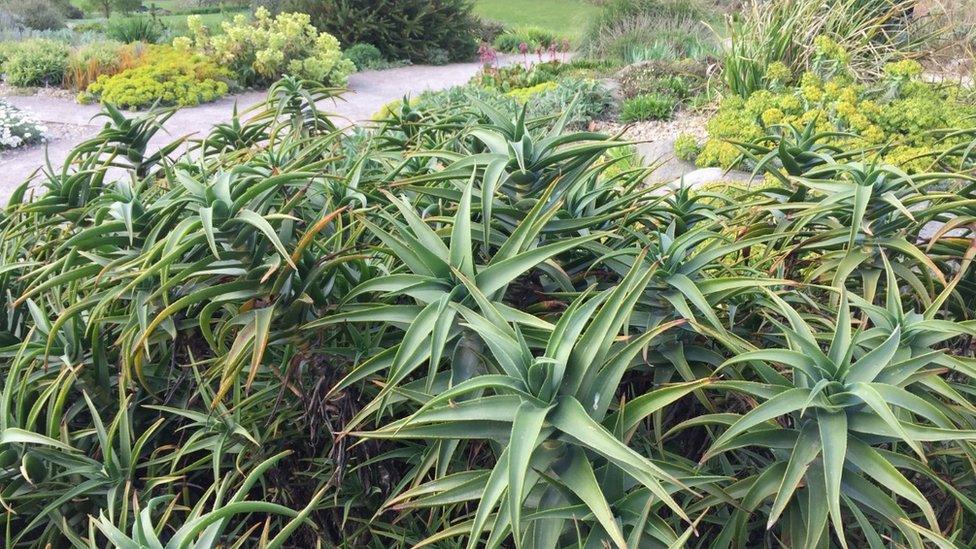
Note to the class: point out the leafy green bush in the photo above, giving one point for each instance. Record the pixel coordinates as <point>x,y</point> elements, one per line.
<point>89,26</point>
<point>602,67</point>
<point>34,14</point>
<point>135,29</point>
<point>262,50</point>
<point>364,56</point>
<point>164,75</point>
<point>421,31</point>
<point>532,38</point>
<point>652,106</point>
<point>35,62</point>
<point>523,95</point>
<point>6,48</point>
<point>893,118</point>
<point>438,56</point>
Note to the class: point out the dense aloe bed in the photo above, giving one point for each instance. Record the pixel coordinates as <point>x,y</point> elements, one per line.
<point>467,327</point>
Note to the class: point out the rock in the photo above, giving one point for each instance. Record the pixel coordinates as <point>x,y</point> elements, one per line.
<point>702,176</point>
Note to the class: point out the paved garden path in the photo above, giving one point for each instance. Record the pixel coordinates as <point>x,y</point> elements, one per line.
<point>370,90</point>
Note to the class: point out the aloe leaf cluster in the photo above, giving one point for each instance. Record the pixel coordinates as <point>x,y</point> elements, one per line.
<point>464,327</point>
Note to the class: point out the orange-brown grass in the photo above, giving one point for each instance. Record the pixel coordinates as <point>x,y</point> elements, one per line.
<point>83,71</point>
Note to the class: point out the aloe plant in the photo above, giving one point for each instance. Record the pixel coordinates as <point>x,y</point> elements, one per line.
<point>872,404</point>
<point>466,327</point>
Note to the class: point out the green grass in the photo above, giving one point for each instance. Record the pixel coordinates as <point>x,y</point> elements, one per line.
<point>565,17</point>
<point>176,17</point>
<point>211,20</point>
<point>173,6</point>
<point>178,20</point>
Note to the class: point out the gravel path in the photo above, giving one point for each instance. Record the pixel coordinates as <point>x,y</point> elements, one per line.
<point>71,123</point>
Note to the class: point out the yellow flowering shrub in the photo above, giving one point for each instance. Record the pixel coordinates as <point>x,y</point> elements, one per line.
<point>393,107</point>
<point>165,75</point>
<point>900,111</point>
<point>686,147</point>
<point>267,48</point>
<point>522,95</point>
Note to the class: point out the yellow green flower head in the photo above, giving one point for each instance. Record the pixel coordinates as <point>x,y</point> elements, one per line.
<point>522,95</point>
<point>772,116</point>
<point>860,115</point>
<point>778,72</point>
<point>827,48</point>
<point>907,68</point>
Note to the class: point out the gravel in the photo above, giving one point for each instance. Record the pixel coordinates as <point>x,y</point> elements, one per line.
<point>7,90</point>
<point>657,130</point>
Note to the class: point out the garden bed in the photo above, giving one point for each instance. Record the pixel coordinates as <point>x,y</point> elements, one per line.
<point>482,318</point>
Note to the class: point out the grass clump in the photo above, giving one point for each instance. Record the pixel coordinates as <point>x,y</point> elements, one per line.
<point>88,62</point>
<point>528,39</point>
<point>651,106</point>
<point>872,33</point>
<point>135,29</point>
<point>632,31</point>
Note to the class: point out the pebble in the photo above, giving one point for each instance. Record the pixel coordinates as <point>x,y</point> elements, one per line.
<point>654,130</point>
<point>7,90</point>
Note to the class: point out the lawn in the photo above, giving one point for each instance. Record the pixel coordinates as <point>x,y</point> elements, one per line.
<point>566,17</point>
<point>211,20</point>
<point>176,18</point>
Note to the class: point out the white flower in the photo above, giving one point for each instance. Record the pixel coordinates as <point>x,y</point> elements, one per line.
<point>19,128</point>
